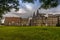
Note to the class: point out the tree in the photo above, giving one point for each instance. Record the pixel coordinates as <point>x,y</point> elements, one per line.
<point>7,5</point>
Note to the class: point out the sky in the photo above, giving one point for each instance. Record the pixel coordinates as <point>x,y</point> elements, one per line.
<point>27,10</point>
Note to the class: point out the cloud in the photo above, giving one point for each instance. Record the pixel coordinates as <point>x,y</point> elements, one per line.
<point>55,10</point>
<point>27,9</point>
<point>21,11</point>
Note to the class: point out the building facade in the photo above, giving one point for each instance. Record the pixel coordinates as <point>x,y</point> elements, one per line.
<point>40,19</point>
<point>16,21</point>
<point>12,21</point>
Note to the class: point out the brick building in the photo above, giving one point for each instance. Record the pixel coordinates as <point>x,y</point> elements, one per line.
<point>38,19</point>
<point>17,21</point>
<point>13,21</point>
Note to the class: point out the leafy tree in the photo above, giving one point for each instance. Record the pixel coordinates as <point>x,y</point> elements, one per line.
<point>7,5</point>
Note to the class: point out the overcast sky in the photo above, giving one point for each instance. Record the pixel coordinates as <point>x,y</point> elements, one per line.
<point>27,9</point>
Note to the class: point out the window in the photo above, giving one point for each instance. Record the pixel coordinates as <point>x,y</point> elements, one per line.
<point>12,21</point>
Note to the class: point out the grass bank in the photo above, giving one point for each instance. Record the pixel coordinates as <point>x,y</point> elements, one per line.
<point>29,33</point>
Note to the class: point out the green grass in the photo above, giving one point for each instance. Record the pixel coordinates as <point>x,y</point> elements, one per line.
<point>29,33</point>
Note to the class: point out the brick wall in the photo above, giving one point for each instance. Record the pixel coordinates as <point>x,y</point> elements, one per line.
<point>12,20</point>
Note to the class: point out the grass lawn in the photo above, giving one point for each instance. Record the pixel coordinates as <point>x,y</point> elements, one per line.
<point>29,33</point>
